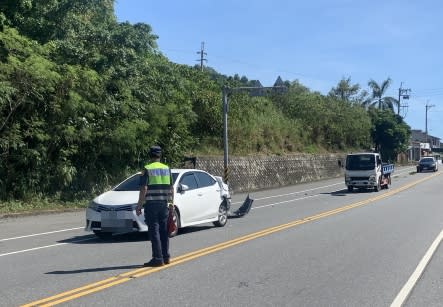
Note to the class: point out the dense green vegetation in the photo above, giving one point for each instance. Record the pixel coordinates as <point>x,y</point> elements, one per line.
<point>82,97</point>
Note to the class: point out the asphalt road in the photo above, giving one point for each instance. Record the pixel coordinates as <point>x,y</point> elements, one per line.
<point>305,245</point>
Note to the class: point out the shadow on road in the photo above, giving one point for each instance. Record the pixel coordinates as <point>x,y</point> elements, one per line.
<point>343,192</point>
<point>111,268</point>
<point>93,239</point>
<point>127,237</point>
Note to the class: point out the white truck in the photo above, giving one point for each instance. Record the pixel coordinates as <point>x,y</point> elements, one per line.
<point>366,171</point>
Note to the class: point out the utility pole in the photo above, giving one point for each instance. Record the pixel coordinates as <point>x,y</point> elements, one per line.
<point>402,93</point>
<point>426,121</point>
<point>202,55</point>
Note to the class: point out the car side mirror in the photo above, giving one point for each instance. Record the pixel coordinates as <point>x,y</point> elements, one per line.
<point>182,188</point>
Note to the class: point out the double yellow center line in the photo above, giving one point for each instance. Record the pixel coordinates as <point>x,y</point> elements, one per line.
<point>121,278</point>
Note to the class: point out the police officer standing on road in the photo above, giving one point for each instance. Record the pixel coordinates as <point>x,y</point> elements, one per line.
<point>156,194</point>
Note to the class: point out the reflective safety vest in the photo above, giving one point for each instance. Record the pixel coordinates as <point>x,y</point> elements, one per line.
<point>159,182</point>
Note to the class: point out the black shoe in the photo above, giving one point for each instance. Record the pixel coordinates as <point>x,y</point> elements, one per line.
<point>153,263</point>
<point>166,261</point>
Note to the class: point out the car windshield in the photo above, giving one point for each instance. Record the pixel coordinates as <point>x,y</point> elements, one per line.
<point>132,183</point>
<point>427,160</point>
<point>360,162</point>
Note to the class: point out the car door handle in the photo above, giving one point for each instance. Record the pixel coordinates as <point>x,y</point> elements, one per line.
<point>200,194</point>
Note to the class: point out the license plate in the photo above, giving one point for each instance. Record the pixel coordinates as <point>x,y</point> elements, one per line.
<point>116,225</point>
<point>109,215</point>
<point>112,221</point>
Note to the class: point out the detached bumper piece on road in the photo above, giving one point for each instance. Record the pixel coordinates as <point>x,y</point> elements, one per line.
<point>244,208</point>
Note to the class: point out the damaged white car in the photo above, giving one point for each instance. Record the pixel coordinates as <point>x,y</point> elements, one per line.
<point>199,198</point>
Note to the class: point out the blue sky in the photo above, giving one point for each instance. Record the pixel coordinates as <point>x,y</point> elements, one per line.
<point>317,42</point>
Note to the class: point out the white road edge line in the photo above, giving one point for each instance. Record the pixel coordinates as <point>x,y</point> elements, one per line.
<point>317,188</point>
<point>412,281</point>
<point>42,247</point>
<point>40,234</point>
<point>298,192</point>
<point>285,201</point>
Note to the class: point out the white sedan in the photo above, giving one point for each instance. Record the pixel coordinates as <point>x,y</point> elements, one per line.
<point>199,198</point>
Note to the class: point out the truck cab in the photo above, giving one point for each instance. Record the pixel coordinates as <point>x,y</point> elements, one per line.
<point>366,171</point>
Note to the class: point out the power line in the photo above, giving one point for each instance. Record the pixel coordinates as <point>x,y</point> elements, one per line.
<point>418,93</point>
<point>428,92</point>
<point>277,71</point>
<point>431,89</point>
<point>428,95</point>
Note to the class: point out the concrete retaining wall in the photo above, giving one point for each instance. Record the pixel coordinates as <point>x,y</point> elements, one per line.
<point>252,173</point>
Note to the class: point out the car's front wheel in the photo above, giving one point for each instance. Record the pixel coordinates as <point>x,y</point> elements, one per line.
<point>378,186</point>
<point>177,223</point>
<point>222,215</point>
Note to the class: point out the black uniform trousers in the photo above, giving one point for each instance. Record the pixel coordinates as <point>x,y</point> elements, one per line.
<point>156,217</point>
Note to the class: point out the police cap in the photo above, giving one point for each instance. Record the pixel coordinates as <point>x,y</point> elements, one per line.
<point>155,151</point>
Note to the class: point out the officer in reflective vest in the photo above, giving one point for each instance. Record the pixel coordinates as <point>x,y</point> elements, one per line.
<point>156,194</point>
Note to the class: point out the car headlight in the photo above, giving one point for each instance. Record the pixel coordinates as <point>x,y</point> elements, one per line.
<point>93,205</point>
<point>372,178</point>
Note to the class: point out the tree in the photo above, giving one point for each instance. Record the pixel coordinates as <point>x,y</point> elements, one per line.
<point>390,133</point>
<point>377,98</point>
<point>347,92</point>
<point>46,20</point>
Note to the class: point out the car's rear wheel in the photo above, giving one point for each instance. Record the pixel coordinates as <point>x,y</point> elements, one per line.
<point>222,215</point>
<point>103,235</point>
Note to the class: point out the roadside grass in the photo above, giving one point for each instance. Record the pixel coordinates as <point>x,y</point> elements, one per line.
<point>39,205</point>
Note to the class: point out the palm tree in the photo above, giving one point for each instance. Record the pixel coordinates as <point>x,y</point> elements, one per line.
<point>344,90</point>
<point>377,99</point>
